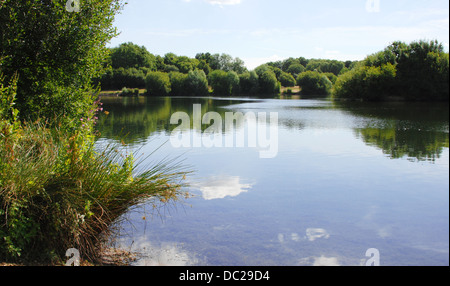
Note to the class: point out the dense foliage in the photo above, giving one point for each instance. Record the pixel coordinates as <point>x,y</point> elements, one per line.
<point>55,54</point>
<point>57,191</point>
<point>418,71</point>
<point>314,83</point>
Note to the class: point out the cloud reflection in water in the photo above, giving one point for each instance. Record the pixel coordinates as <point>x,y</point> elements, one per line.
<point>219,187</point>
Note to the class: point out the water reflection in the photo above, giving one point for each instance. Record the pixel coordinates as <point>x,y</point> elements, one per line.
<point>328,196</point>
<point>219,187</point>
<point>135,119</point>
<point>315,233</point>
<point>158,254</point>
<point>417,131</point>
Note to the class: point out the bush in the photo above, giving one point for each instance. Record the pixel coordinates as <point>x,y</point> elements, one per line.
<point>115,79</point>
<point>196,83</point>
<point>224,83</point>
<point>326,66</point>
<point>367,83</point>
<point>268,83</point>
<point>178,83</point>
<point>249,83</point>
<point>129,92</point>
<point>418,71</point>
<point>129,55</point>
<point>287,80</point>
<point>157,83</point>
<point>314,83</point>
<point>295,69</point>
<point>58,192</point>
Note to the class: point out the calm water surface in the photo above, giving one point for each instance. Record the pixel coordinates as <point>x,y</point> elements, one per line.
<point>347,177</point>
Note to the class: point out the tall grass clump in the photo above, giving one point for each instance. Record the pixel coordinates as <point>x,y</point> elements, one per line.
<point>54,195</point>
<point>60,190</point>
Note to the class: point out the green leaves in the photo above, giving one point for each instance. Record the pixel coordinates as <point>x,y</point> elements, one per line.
<point>54,52</point>
<point>314,83</point>
<point>418,71</point>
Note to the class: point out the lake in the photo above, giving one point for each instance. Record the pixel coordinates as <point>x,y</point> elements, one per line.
<point>343,178</point>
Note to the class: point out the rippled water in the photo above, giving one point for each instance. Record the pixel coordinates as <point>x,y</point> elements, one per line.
<point>345,178</point>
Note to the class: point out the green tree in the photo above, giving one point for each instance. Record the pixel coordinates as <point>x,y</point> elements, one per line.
<point>115,79</point>
<point>295,69</point>
<point>178,83</point>
<point>418,71</point>
<point>314,83</point>
<point>325,66</point>
<point>157,83</point>
<point>366,82</point>
<point>129,55</point>
<point>249,83</point>
<point>224,83</point>
<point>287,80</point>
<point>186,64</point>
<point>55,54</point>
<point>268,83</point>
<point>196,83</point>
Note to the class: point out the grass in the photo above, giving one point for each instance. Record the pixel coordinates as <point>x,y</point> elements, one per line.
<point>293,90</point>
<point>59,192</point>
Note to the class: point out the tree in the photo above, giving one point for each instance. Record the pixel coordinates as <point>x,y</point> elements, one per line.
<point>268,83</point>
<point>115,79</point>
<point>186,64</point>
<point>325,66</point>
<point>224,83</point>
<point>249,83</point>
<point>287,80</point>
<point>314,83</point>
<point>418,71</point>
<point>129,55</point>
<point>295,69</point>
<point>217,80</point>
<point>196,83</point>
<point>55,54</point>
<point>157,83</point>
<point>178,82</point>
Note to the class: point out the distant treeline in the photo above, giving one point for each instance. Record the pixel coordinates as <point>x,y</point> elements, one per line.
<point>418,71</point>
<point>133,66</point>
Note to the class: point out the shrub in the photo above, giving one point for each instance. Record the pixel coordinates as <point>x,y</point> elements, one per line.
<point>366,83</point>
<point>157,83</point>
<point>295,69</point>
<point>129,92</point>
<point>249,83</point>
<point>314,83</point>
<point>418,71</point>
<point>196,83</point>
<point>287,80</point>
<point>58,192</point>
<point>224,83</point>
<point>178,83</point>
<point>268,83</point>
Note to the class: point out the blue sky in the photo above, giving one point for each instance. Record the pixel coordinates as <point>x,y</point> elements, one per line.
<point>258,31</point>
